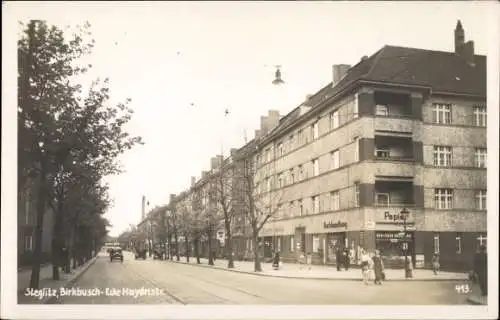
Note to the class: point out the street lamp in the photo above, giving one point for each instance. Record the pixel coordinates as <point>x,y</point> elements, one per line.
<point>277,76</point>
<point>405,213</point>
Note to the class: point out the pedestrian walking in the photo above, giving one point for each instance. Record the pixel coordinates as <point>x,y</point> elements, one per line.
<point>435,263</point>
<point>365,266</point>
<point>338,258</point>
<point>481,269</point>
<point>378,267</point>
<point>276,260</point>
<point>347,258</point>
<point>309,260</point>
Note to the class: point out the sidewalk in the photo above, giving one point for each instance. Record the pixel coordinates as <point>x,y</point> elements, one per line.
<point>298,271</point>
<point>46,282</point>
<point>475,297</point>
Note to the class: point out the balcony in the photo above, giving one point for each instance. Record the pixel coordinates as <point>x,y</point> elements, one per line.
<point>393,112</point>
<point>394,194</point>
<point>393,148</point>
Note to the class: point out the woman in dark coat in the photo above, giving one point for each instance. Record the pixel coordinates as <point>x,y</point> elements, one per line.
<point>378,267</point>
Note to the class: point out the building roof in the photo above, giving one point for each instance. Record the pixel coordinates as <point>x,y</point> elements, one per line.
<point>440,71</point>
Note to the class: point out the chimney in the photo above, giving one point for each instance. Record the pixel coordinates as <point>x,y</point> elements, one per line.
<point>339,71</point>
<point>193,181</point>
<point>204,174</point>
<point>273,119</point>
<point>363,58</point>
<point>257,134</point>
<point>219,158</point>
<point>462,48</point>
<point>213,163</point>
<point>172,197</point>
<point>264,127</point>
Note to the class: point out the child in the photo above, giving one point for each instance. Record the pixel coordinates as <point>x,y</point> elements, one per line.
<point>435,263</point>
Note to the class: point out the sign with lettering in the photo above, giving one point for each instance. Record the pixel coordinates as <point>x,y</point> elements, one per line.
<point>395,216</point>
<point>332,224</point>
<point>391,235</point>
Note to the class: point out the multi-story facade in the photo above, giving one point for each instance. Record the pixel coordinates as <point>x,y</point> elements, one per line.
<point>26,224</point>
<point>404,128</point>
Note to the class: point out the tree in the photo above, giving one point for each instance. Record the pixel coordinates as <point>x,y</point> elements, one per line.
<point>211,217</point>
<point>258,207</point>
<point>185,219</point>
<point>59,129</point>
<point>198,223</point>
<point>225,193</point>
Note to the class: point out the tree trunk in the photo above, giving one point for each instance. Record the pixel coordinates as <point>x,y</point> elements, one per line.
<point>37,254</point>
<point>187,247</point>
<point>229,244</point>
<point>57,239</point>
<point>178,258</point>
<point>170,246</point>
<point>197,249</point>
<point>257,265</point>
<point>210,253</point>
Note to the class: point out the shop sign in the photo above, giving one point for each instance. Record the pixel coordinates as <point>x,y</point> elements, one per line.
<point>332,224</point>
<point>391,235</point>
<point>396,217</point>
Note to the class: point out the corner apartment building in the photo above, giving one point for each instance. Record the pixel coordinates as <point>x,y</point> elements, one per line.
<point>403,128</point>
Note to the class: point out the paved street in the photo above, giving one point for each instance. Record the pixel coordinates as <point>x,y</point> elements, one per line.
<point>185,284</point>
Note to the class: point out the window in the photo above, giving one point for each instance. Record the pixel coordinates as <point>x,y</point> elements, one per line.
<point>481,200</point>
<point>28,243</point>
<point>355,112</point>
<point>334,120</point>
<point>481,239</point>
<point>356,149</point>
<point>259,159</point>
<point>268,184</point>
<point>291,208</point>
<point>301,208</point>
<point>279,243</point>
<point>315,243</point>
<point>315,164</point>
<point>436,243</point>
<point>458,243</point>
<point>250,244</point>
<point>292,176</point>
<point>443,198</point>
<point>480,158</point>
<point>315,204</point>
<point>382,199</point>
<point>315,130</point>
<point>441,113</point>
<point>292,244</point>
<point>335,159</point>
<point>442,156</point>
<point>480,116</point>
<point>335,196</point>
<point>383,153</point>
<point>268,155</point>
<point>356,194</point>
<point>291,141</point>
<point>280,180</point>
<point>301,172</point>
<point>27,205</point>
<point>381,110</point>
<point>300,136</point>
<point>281,149</point>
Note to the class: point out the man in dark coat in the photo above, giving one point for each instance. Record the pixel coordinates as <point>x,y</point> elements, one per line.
<point>481,269</point>
<point>347,258</point>
<point>338,258</point>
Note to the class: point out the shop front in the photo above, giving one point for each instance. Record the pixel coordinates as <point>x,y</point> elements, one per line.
<point>336,238</point>
<point>393,246</point>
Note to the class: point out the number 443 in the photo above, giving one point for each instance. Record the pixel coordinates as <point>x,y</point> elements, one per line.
<point>463,288</point>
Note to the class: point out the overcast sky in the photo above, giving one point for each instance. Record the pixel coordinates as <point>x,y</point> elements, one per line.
<point>165,56</point>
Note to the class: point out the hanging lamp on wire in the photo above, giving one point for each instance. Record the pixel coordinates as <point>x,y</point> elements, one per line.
<point>277,77</point>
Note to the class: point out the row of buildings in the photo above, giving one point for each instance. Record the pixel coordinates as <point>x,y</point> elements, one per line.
<point>396,141</point>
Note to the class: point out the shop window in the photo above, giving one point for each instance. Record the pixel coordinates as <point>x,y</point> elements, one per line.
<point>28,243</point>
<point>436,243</point>
<point>315,243</point>
<point>481,239</point>
<point>458,243</point>
<point>356,194</point>
<point>292,244</point>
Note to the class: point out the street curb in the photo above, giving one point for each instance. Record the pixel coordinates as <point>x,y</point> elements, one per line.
<point>306,278</point>
<point>70,282</point>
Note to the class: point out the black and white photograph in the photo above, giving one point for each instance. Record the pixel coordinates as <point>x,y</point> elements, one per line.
<point>241,160</point>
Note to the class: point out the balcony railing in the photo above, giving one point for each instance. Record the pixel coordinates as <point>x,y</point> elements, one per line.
<point>385,155</point>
